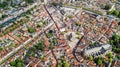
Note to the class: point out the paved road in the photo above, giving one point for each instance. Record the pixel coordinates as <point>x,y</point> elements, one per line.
<point>50,16</point>
<point>75,48</point>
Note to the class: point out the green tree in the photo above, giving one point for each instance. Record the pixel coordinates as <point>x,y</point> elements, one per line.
<point>115,42</point>
<point>31,30</point>
<point>63,63</point>
<point>32,49</point>
<point>66,64</point>
<point>54,4</point>
<point>51,46</point>
<point>110,55</point>
<point>27,54</point>
<point>1,48</point>
<point>119,14</point>
<point>42,57</point>
<point>0,26</point>
<point>13,63</point>
<point>111,12</point>
<point>54,41</point>
<point>29,1</point>
<point>118,57</point>
<point>42,0</point>
<point>3,16</point>
<point>17,60</point>
<point>107,7</point>
<point>90,58</point>
<point>110,59</point>
<point>116,13</point>
<point>77,24</point>
<point>49,35</point>
<point>19,64</point>
<point>70,16</point>
<point>13,66</point>
<point>59,65</point>
<point>78,33</point>
<point>40,45</point>
<point>3,5</point>
<point>99,60</point>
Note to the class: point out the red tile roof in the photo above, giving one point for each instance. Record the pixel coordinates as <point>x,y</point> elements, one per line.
<point>32,64</point>
<point>115,23</point>
<point>39,65</point>
<point>109,32</point>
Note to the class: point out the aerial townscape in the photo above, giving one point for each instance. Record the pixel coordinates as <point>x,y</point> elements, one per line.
<point>59,33</point>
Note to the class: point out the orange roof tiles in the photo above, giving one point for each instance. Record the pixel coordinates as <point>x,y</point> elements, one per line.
<point>39,65</point>
<point>118,63</point>
<point>32,64</point>
<point>61,36</point>
<point>37,59</point>
<point>46,42</point>
<point>76,63</point>
<point>104,28</point>
<point>109,32</point>
<point>53,65</point>
<point>61,41</point>
<point>83,40</point>
<point>53,61</point>
<point>91,63</point>
<point>115,23</point>
<point>71,56</point>
<point>45,58</point>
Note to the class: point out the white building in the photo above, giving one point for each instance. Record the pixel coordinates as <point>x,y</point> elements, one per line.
<point>45,1</point>
<point>68,10</point>
<point>97,50</point>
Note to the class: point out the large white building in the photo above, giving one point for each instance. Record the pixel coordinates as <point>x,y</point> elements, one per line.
<point>97,50</point>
